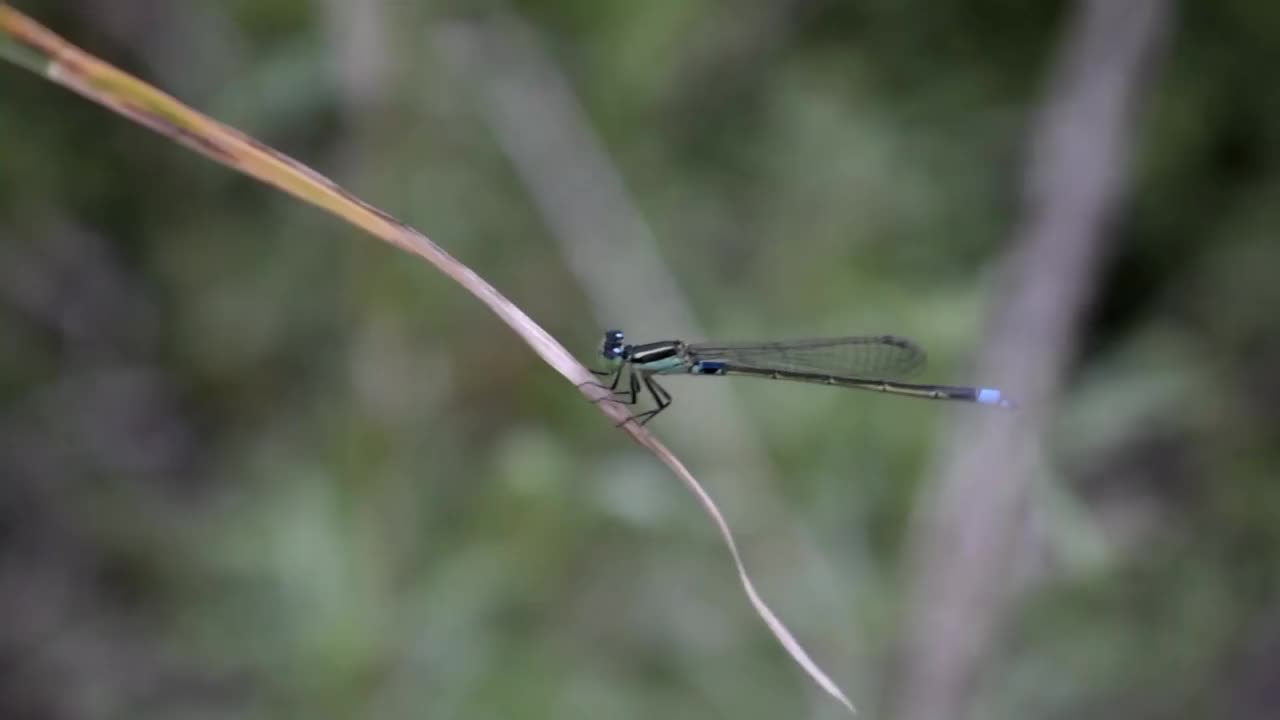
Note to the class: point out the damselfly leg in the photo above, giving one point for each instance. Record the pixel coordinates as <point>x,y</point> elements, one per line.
<point>660,396</point>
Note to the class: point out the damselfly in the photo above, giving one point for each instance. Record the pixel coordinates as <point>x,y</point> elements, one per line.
<point>869,362</point>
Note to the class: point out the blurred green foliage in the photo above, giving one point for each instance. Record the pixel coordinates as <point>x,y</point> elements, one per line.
<point>256,465</point>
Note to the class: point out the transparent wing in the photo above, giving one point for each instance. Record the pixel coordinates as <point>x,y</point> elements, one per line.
<point>867,356</point>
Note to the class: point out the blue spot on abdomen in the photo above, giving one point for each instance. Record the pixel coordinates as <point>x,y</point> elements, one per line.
<point>708,367</point>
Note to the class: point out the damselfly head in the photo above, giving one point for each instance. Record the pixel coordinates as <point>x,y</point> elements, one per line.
<point>613,348</point>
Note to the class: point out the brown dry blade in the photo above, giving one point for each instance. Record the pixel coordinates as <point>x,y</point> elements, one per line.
<point>27,43</point>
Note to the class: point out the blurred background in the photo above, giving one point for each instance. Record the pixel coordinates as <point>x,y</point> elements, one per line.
<point>257,465</point>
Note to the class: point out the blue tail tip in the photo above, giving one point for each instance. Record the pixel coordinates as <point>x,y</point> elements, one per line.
<point>995,398</point>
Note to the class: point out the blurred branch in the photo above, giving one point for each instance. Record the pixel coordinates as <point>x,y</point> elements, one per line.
<point>747,41</point>
<point>581,195</point>
<point>1076,180</point>
<point>566,169</point>
<point>359,32</point>
<point>608,245</point>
